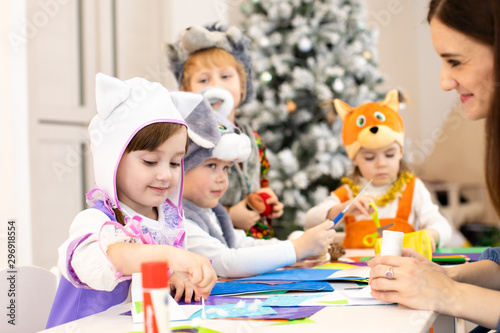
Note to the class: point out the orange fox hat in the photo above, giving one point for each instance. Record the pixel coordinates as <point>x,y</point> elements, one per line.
<point>371,125</point>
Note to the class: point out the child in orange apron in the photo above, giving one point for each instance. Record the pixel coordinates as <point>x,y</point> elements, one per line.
<point>373,135</point>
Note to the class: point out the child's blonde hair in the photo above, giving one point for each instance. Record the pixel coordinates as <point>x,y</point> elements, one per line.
<point>210,58</point>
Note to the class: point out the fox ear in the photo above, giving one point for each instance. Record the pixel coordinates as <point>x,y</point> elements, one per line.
<point>391,100</point>
<point>342,108</point>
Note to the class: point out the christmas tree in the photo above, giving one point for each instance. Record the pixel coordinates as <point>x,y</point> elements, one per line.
<point>305,53</point>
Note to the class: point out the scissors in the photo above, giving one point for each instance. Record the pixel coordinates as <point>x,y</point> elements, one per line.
<point>369,240</point>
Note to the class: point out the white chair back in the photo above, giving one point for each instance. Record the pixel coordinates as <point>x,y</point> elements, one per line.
<point>26,297</point>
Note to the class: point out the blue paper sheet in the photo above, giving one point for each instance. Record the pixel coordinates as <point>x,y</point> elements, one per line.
<point>304,274</point>
<point>234,288</point>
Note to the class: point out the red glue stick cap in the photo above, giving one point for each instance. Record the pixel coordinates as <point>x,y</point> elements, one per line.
<point>154,274</point>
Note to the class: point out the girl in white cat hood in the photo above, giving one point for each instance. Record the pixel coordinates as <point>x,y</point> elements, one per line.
<point>138,140</point>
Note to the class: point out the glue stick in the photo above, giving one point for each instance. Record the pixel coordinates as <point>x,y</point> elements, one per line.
<point>156,291</point>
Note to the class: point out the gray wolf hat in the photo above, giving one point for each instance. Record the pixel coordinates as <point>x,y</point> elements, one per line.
<point>196,38</point>
<point>211,134</point>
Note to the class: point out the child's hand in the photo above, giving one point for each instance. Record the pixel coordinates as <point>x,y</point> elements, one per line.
<point>273,200</point>
<point>193,268</point>
<point>434,236</point>
<point>314,241</point>
<point>179,285</point>
<point>242,217</point>
<point>360,207</point>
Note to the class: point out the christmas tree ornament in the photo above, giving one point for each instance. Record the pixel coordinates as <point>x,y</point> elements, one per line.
<point>338,85</point>
<point>291,106</point>
<point>264,42</point>
<point>367,55</point>
<point>305,44</point>
<point>266,77</point>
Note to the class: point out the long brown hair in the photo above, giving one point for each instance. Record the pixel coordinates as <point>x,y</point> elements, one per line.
<point>149,138</point>
<point>480,20</point>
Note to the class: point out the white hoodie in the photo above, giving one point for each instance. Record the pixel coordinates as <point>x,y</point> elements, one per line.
<point>123,108</point>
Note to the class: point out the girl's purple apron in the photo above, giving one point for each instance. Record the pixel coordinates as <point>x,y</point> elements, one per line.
<point>72,303</point>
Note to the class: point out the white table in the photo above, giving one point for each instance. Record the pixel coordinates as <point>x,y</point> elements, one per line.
<point>381,318</point>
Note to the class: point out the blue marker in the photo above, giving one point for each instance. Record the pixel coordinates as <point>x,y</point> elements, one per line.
<point>341,215</point>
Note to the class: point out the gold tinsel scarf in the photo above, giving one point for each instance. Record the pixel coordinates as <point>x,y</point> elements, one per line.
<point>397,187</point>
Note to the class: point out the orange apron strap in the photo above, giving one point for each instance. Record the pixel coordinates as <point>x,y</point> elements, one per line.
<point>342,193</point>
<point>404,206</point>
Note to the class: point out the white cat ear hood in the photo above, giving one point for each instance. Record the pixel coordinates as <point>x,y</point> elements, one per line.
<point>124,108</point>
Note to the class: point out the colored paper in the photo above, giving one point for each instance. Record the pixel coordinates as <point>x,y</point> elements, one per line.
<point>298,321</point>
<point>189,329</point>
<point>356,273</point>
<point>336,298</point>
<point>292,300</point>
<point>353,274</point>
<point>335,265</point>
<point>304,274</point>
<point>287,313</point>
<point>247,309</point>
<point>236,288</point>
<point>462,250</point>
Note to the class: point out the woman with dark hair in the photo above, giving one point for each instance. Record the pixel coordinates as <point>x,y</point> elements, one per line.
<point>466,35</point>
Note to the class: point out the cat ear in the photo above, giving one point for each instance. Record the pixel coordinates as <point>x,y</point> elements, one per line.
<point>216,94</point>
<point>391,100</point>
<point>342,108</point>
<point>109,93</point>
<point>185,102</point>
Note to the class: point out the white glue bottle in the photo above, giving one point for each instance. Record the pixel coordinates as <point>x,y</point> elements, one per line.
<point>156,291</point>
<point>392,243</point>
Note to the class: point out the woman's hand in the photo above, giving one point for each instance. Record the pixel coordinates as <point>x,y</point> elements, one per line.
<point>416,282</point>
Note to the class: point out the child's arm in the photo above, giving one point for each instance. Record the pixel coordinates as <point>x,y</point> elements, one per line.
<point>256,256</point>
<point>427,215</point>
<point>128,257</point>
<point>318,214</point>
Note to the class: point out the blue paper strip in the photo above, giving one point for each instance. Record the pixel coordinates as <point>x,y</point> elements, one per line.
<point>303,274</point>
<point>232,288</point>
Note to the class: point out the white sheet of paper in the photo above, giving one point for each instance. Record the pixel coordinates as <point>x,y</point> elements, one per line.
<point>361,272</point>
<point>176,311</point>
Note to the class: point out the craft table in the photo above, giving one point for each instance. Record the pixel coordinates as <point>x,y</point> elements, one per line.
<point>380,318</point>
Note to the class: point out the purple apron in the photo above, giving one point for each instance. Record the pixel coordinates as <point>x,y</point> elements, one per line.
<point>73,303</point>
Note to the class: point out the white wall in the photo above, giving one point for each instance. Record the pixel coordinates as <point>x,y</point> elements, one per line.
<point>14,168</point>
<point>408,60</point>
